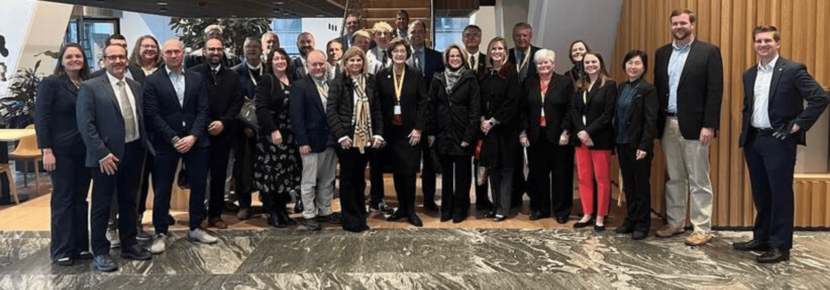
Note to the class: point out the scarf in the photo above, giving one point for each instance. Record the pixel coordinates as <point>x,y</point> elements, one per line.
<point>452,76</point>
<point>361,117</point>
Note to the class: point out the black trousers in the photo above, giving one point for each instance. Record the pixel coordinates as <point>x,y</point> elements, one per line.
<point>771,165</point>
<point>405,191</point>
<point>427,172</point>
<point>353,187</point>
<point>144,184</point>
<point>165,170</point>
<point>243,170</point>
<point>551,167</point>
<point>377,166</point>
<point>636,186</point>
<point>455,185</point>
<point>123,185</point>
<point>220,150</point>
<point>69,209</point>
<point>482,197</point>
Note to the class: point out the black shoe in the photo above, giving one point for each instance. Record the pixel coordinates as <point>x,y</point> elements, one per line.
<point>490,214</point>
<point>84,255</point>
<point>104,263</point>
<point>332,218</point>
<point>285,219</point>
<point>274,220</point>
<point>381,207</point>
<point>458,218</point>
<point>430,206</point>
<point>599,228</point>
<point>170,220</point>
<point>396,216</point>
<point>752,245</point>
<point>537,215</point>
<point>499,219</point>
<point>230,206</point>
<point>639,235</point>
<point>135,252</point>
<point>774,256</point>
<point>141,235</point>
<point>298,206</point>
<point>65,261</point>
<point>579,225</point>
<point>486,205</point>
<point>312,224</point>
<point>562,220</point>
<point>415,220</point>
<point>445,217</point>
<point>626,228</point>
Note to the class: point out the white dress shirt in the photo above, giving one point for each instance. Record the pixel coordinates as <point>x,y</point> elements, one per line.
<point>760,105</point>
<point>114,83</point>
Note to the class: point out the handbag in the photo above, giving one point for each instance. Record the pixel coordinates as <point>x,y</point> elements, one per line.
<point>248,113</point>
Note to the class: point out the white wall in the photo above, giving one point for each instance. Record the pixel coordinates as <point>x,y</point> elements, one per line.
<point>135,25</point>
<point>485,18</point>
<point>319,27</point>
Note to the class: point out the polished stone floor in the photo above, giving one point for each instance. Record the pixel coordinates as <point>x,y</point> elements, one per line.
<point>425,259</point>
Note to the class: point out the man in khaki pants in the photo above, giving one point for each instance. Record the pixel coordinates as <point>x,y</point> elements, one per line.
<point>689,81</point>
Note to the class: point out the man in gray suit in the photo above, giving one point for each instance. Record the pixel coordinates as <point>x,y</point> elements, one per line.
<point>109,115</point>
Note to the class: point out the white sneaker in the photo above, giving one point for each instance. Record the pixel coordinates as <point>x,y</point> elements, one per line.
<point>198,235</point>
<point>112,236</point>
<point>158,246</point>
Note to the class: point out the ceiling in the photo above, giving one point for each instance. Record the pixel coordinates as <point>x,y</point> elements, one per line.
<point>223,8</point>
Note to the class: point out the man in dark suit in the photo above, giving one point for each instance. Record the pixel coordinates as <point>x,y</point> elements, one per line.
<point>225,100</point>
<point>471,36</point>
<point>429,62</point>
<point>110,117</point>
<point>177,111</point>
<point>774,123</point>
<point>305,43</point>
<point>352,25</point>
<point>249,74</point>
<point>689,81</point>
<point>308,98</point>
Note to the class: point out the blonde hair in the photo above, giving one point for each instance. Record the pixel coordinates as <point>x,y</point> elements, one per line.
<point>350,53</point>
<point>381,27</point>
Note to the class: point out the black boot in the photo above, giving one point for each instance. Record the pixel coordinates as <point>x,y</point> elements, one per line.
<point>283,214</point>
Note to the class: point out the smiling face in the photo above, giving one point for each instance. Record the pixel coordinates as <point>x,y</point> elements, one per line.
<point>316,64</point>
<point>335,51</point>
<point>765,45</point>
<point>354,65</point>
<point>592,64</point>
<point>402,21</point>
<point>681,26</point>
<point>352,24</point>
<point>213,51</point>
<point>382,39</point>
<point>634,67</point>
<point>148,49</point>
<point>497,52</point>
<point>279,63</point>
<point>578,50</point>
<point>306,44</point>
<point>455,59</point>
<point>399,54</point>
<point>73,60</point>
<point>545,66</point>
<point>522,37</point>
<point>362,43</point>
<point>115,60</point>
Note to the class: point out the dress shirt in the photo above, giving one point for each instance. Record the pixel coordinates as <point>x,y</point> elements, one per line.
<point>677,62</point>
<point>760,106</point>
<point>114,83</point>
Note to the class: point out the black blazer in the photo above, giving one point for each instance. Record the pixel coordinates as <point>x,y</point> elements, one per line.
<point>558,109</point>
<point>699,91</point>
<point>455,117</point>
<point>531,65</point>
<point>55,122</point>
<point>791,84</point>
<point>642,125</point>
<point>500,93</point>
<point>166,118</point>
<point>433,63</point>
<point>340,106</point>
<point>224,94</point>
<point>270,99</point>
<point>298,70</point>
<point>308,116</point>
<point>414,99</point>
<point>598,112</point>
<point>100,122</point>
<point>482,66</point>
<point>246,79</point>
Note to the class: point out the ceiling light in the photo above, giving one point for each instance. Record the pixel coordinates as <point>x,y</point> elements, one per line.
<point>163,10</point>
<point>161,3</point>
<point>278,3</point>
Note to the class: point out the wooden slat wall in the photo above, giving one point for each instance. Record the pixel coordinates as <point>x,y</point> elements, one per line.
<point>644,24</point>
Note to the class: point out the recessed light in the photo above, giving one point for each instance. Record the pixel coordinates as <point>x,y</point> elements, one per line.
<point>320,15</point>
<point>163,10</point>
<point>161,3</point>
<point>278,3</point>
<point>285,13</point>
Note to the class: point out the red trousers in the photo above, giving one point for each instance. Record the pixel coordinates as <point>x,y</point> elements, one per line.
<point>592,164</point>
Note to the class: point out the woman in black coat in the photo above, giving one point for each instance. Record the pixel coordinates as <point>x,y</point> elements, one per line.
<point>454,119</point>
<point>403,97</point>
<point>593,112</point>
<point>499,125</point>
<point>635,127</point>
<point>278,167</point>
<point>353,112</point>
<point>63,155</point>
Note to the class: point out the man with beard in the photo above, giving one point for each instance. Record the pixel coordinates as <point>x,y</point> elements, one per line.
<point>305,43</point>
<point>197,57</point>
<point>225,100</point>
<point>269,41</point>
<point>689,81</point>
<point>378,59</point>
<point>308,97</point>
<point>352,25</point>
<point>249,73</point>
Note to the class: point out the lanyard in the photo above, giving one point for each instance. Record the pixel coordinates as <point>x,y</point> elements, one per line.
<point>398,84</point>
<point>519,67</point>
<point>544,88</point>
<point>253,79</point>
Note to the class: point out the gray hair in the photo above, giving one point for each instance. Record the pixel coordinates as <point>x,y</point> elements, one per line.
<point>543,54</point>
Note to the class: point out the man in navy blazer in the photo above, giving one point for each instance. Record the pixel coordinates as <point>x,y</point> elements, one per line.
<point>307,112</point>
<point>177,113</point>
<point>110,122</point>
<point>429,62</point>
<point>522,54</point>
<point>774,123</point>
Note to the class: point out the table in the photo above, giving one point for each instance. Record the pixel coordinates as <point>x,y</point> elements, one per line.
<point>10,135</point>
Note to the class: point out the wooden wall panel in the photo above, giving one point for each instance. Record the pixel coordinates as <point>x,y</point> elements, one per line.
<point>644,24</point>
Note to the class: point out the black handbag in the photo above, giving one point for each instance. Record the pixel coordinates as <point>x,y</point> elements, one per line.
<point>248,113</point>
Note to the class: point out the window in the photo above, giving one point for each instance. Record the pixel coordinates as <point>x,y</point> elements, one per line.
<point>91,33</point>
<point>288,29</point>
<point>448,31</point>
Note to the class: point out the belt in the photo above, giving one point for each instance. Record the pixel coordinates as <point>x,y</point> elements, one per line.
<point>671,114</point>
<point>759,131</point>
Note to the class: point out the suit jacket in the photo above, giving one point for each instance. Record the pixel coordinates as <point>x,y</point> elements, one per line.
<point>298,70</point>
<point>224,94</point>
<point>482,66</point>
<point>599,114</point>
<point>247,81</point>
<point>699,91</point>
<point>308,116</point>
<point>340,106</point>
<point>791,84</point>
<point>344,39</point>
<point>642,125</point>
<point>100,122</point>
<point>414,99</point>
<point>197,57</point>
<point>135,72</point>
<point>433,62</point>
<point>558,109</point>
<point>531,66</point>
<point>166,118</point>
<point>55,121</point>
<point>270,101</point>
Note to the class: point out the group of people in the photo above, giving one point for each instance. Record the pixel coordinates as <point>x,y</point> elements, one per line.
<point>381,97</point>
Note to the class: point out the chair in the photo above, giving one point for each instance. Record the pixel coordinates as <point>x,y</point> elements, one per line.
<point>4,168</point>
<point>27,150</point>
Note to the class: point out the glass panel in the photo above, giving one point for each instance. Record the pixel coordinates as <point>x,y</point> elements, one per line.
<point>94,35</point>
<point>71,31</point>
<point>448,31</point>
<point>288,29</point>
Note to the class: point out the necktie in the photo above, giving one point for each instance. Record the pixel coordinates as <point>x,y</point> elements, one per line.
<point>383,59</point>
<point>417,59</point>
<point>215,72</point>
<point>472,62</point>
<point>521,57</point>
<point>127,112</point>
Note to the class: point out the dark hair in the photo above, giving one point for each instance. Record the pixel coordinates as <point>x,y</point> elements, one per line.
<point>136,55</point>
<point>270,62</point>
<point>398,41</point>
<point>571,47</point>
<point>353,14</point>
<point>252,39</point>
<point>767,28</point>
<point>60,70</point>
<point>582,84</point>
<point>336,40</point>
<point>681,11</point>
<point>635,53</point>
<point>109,39</point>
<point>471,26</point>
<point>522,25</point>
<point>404,13</point>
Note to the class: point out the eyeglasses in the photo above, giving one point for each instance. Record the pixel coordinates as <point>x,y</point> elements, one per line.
<point>214,49</point>
<point>472,35</point>
<point>116,57</point>
<point>146,46</point>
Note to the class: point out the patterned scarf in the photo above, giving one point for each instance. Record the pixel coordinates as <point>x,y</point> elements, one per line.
<point>361,118</point>
<point>452,77</point>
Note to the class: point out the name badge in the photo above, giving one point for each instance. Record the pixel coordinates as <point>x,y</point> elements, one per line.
<point>397,109</point>
<point>543,112</point>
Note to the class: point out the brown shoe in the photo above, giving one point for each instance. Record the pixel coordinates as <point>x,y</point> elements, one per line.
<point>218,223</point>
<point>669,230</point>
<point>699,239</point>
<point>243,214</point>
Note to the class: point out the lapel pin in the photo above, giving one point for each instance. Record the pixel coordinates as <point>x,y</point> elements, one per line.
<point>388,76</point>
